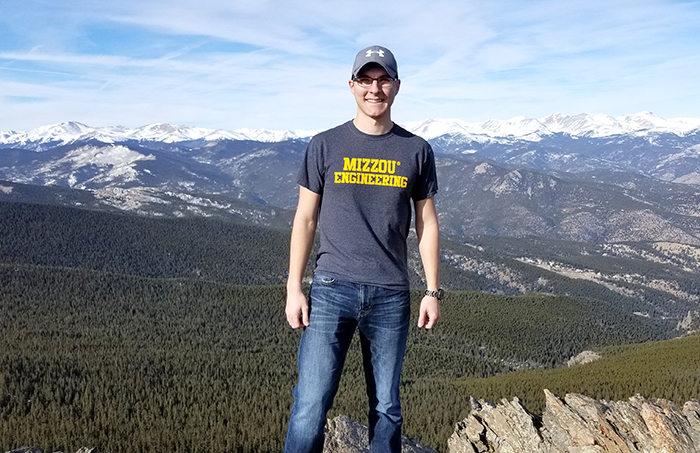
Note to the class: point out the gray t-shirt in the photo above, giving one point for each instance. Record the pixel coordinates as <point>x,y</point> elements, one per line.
<point>366,183</point>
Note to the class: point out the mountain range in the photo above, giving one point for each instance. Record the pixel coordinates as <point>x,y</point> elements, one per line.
<point>585,177</point>
<point>612,201</point>
<point>646,144</point>
<point>583,125</point>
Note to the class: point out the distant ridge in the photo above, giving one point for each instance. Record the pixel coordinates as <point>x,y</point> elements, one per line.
<point>72,131</point>
<point>530,129</point>
<point>584,124</point>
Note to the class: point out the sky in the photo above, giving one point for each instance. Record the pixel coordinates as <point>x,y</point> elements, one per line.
<point>285,65</point>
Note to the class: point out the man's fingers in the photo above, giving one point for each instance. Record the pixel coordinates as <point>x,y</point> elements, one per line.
<point>305,315</point>
<point>299,319</point>
<point>431,321</point>
<point>294,318</point>
<point>426,320</point>
<point>422,318</point>
<point>293,321</point>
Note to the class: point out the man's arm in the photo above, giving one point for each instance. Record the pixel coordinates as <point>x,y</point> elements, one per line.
<point>428,233</point>
<point>303,232</point>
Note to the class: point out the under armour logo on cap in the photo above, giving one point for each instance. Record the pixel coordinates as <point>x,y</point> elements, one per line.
<point>378,52</point>
<point>379,55</point>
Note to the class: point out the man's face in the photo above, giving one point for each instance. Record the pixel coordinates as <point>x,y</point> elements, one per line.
<point>374,101</point>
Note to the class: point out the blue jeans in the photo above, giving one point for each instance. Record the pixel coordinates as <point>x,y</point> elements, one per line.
<point>337,308</point>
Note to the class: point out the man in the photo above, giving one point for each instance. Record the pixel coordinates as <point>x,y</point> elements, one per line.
<point>357,182</point>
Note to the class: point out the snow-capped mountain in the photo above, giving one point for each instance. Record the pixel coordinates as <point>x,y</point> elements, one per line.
<point>587,125</point>
<point>70,132</point>
<point>666,149</point>
<point>581,125</point>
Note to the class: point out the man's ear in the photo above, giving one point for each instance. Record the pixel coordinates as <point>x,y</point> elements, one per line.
<point>398,85</point>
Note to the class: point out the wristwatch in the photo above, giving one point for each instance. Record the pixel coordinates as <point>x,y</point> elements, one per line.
<point>436,294</point>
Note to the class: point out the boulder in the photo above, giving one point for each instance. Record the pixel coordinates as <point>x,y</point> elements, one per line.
<point>583,358</point>
<point>344,435</point>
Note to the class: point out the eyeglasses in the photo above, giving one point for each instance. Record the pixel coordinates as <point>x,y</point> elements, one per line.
<point>382,82</point>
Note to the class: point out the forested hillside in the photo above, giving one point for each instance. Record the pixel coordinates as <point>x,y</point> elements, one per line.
<point>633,277</point>
<point>207,249</point>
<point>127,363</point>
<point>128,333</point>
<point>666,369</point>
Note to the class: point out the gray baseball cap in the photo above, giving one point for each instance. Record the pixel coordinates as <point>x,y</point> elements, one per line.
<point>379,55</point>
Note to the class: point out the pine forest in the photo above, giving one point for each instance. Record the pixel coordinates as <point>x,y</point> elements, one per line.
<point>134,334</point>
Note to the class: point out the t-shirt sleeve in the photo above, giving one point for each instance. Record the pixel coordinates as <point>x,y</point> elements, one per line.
<point>426,184</point>
<point>311,171</point>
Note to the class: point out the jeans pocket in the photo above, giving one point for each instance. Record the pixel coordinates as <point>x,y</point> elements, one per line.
<point>323,279</point>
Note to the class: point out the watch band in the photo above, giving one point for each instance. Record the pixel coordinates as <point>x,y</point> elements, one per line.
<point>436,294</point>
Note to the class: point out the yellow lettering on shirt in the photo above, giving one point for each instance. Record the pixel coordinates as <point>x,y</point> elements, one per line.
<point>376,172</point>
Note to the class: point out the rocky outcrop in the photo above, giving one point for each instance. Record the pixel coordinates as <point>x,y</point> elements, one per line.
<point>580,425</point>
<point>583,358</point>
<point>344,435</point>
<point>690,322</point>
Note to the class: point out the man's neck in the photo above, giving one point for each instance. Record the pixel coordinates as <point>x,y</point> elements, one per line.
<point>372,126</point>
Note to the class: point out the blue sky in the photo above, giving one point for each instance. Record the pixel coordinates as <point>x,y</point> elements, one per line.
<point>281,65</point>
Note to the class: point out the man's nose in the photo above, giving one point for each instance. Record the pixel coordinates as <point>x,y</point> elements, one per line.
<point>374,86</point>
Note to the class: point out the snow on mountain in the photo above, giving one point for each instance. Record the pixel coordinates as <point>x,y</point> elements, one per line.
<point>531,129</point>
<point>648,122</point>
<point>70,132</point>
<point>519,127</point>
<point>600,125</point>
<point>263,135</point>
<point>433,128</point>
<point>63,132</point>
<point>523,128</point>
<point>167,133</point>
<point>597,125</point>
<point>115,162</point>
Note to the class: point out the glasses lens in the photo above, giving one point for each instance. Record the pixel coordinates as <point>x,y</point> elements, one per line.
<point>366,82</point>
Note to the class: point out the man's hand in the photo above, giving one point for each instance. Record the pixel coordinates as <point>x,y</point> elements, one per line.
<point>297,310</point>
<point>429,312</point>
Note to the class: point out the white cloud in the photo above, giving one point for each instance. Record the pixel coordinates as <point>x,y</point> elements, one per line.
<point>284,65</point>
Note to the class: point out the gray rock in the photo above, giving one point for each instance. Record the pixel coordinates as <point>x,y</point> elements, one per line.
<point>344,435</point>
<point>583,358</point>
<point>580,424</point>
<point>691,410</point>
